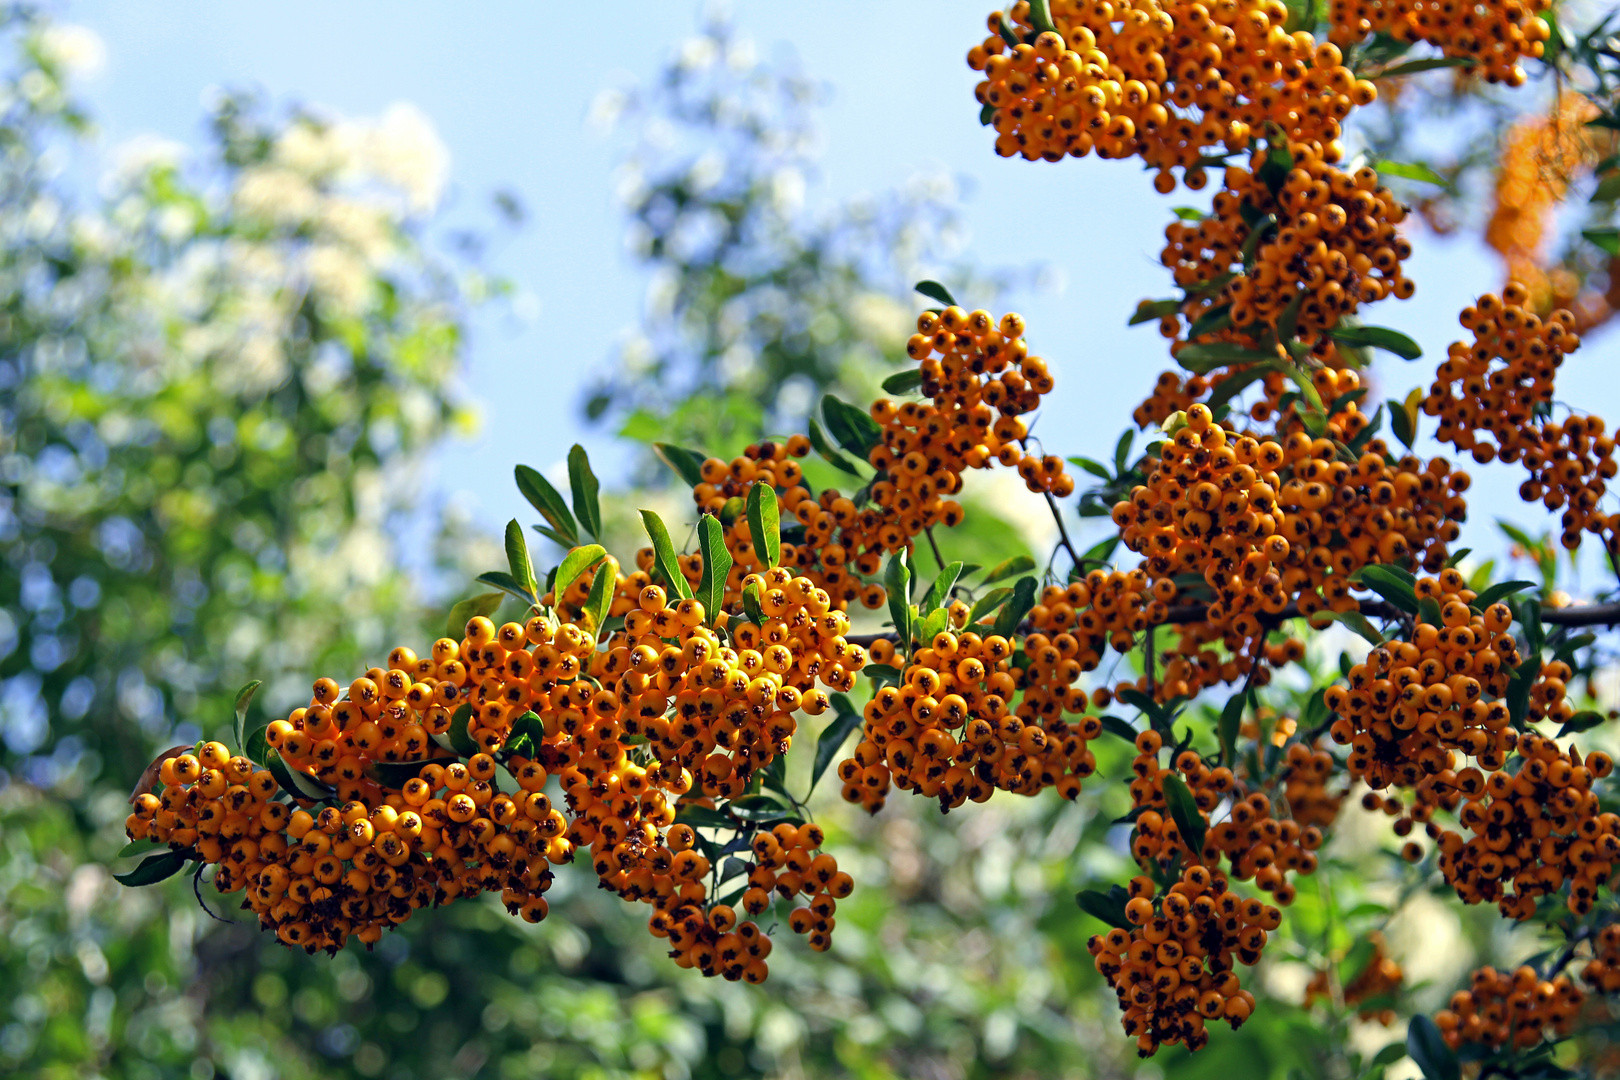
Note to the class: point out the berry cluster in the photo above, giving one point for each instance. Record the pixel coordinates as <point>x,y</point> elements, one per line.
<point>1173,971</point>
<point>1162,80</point>
<point>1494,36</point>
<point>1516,1010</point>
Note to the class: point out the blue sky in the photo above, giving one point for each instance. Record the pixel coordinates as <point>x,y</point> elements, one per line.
<point>509,87</point>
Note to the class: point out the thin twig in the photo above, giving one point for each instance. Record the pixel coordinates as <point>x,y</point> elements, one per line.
<point>939,560</point>
<point>196,890</point>
<point>1063,531</point>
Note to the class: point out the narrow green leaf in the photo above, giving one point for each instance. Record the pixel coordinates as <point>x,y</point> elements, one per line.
<point>505,582</point>
<point>987,115</point>
<point>686,464</point>
<point>903,382</point>
<point>987,603</point>
<point>244,696</point>
<point>855,431</point>
<point>1378,337</point>
<point>765,525</point>
<point>585,487</point>
<point>140,847</point>
<point>1122,451</point>
<point>1428,1050</point>
<point>564,542</point>
<point>296,782</point>
<point>897,581</point>
<point>829,452</point>
<point>1153,311</point>
<point>1231,725</point>
<point>1184,811</point>
<point>1018,605</point>
<point>575,563</point>
<point>151,871</point>
<point>716,565</point>
<point>460,734</point>
<point>939,593</point>
<point>1115,725</point>
<point>1233,385</point>
<point>517,557</point>
<point>1403,424</point>
<point>1413,171</point>
<point>1381,580</point>
<point>1202,359</point>
<point>753,603</point>
<point>1018,564</point>
<point>1040,18</point>
<point>935,291</point>
<point>665,561</point>
<point>485,604</point>
<point>1606,240</point>
<point>546,499</point>
<point>1092,467</point>
<point>1356,621</point>
<point>1189,213</point>
<point>601,595</point>
<point>1103,907</point>
<point>526,736</point>
<point>1585,720</point>
<point>1216,319</point>
<point>846,719</point>
<point>1501,591</point>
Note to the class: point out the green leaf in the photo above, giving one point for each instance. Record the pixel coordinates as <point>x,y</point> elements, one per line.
<point>1606,240</point>
<point>517,557</point>
<point>1381,580</point>
<point>1099,553</point>
<point>1403,420</point>
<point>1414,171</point>
<point>555,537</point>
<point>1019,605</point>
<point>1233,385</point>
<point>701,817</point>
<point>1106,907</point>
<point>855,431</point>
<point>1608,189</point>
<point>897,581</point>
<point>1202,359</point>
<point>1116,726</point>
<point>257,747</point>
<point>1429,1051</point>
<point>1122,451</point>
<point>545,498</point>
<point>526,735</point>
<point>1288,321</point>
<point>1184,811</point>
<point>846,719</point>
<point>459,734</point>
<point>765,525</point>
<point>987,115</point>
<point>716,565</point>
<point>154,870</point>
<point>903,382</point>
<point>1018,564</point>
<point>935,291</point>
<point>140,847</point>
<point>1429,611</point>
<point>753,603</point>
<point>1153,311</point>
<point>485,604</point>
<point>665,561</point>
<point>582,481</point>
<point>1189,213</point>
<point>987,603</point>
<point>828,452</point>
<point>930,625</point>
<point>687,464</point>
<point>1231,724</point>
<point>1356,621</point>
<point>1413,67</point>
<point>575,563</point>
<point>1307,389</point>
<point>1092,467</point>
<point>1040,18</point>
<point>243,697</point>
<point>506,583</point>
<point>1585,720</point>
<point>1262,227</point>
<point>1212,321</point>
<point>396,774</point>
<point>1500,591</point>
<point>296,782</point>
<point>940,591</point>
<point>1377,337</point>
<point>601,596</point>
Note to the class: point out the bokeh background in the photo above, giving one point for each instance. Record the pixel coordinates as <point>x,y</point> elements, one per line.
<point>287,291</point>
